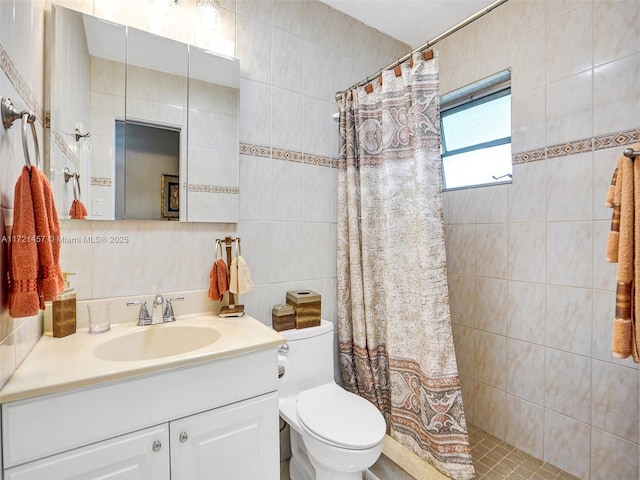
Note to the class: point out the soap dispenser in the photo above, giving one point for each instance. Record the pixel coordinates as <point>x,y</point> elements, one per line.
<point>63,318</point>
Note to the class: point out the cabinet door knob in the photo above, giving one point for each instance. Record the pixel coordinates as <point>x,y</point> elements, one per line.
<point>156,446</point>
<point>183,437</point>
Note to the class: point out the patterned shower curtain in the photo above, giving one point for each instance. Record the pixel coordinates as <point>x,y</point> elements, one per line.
<point>394,329</point>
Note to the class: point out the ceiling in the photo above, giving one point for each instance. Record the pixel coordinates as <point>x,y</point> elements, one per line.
<point>413,22</point>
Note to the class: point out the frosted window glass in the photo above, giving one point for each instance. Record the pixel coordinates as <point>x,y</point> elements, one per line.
<point>477,167</point>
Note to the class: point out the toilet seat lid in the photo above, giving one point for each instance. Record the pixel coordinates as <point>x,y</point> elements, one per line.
<point>341,418</point>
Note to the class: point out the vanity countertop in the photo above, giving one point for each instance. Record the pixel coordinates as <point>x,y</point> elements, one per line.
<point>60,364</point>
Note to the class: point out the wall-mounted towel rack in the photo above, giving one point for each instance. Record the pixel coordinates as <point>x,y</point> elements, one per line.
<point>631,153</point>
<point>76,182</point>
<point>10,115</point>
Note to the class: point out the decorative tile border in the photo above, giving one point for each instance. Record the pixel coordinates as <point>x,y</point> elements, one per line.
<point>601,142</point>
<point>287,155</point>
<point>64,148</point>
<point>213,189</point>
<point>100,182</point>
<point>20,85</point>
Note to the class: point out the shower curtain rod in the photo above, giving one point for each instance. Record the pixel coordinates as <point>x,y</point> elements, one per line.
<point>442,36</point>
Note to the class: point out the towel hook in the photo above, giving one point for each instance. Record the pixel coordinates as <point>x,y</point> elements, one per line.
<point>10,115</point>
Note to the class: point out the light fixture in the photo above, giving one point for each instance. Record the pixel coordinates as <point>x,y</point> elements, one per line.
<point>163,7</point>
<point>208,13</point>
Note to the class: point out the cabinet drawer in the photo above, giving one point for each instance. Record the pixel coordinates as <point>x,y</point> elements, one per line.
<point>44,426</point>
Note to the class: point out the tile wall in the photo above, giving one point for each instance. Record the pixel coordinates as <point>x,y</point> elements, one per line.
<point>532,299</point>
<point>21,73</point>
<point>294,56</point>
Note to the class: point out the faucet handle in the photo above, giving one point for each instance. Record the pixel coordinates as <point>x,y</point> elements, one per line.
<point>143,317</point>
<point>168,316</point>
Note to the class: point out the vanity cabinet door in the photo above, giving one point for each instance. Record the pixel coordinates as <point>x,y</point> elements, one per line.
<point>239,442</point>
<point>142,455</point>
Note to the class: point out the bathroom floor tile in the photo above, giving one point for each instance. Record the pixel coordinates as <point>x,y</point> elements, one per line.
<point>495,459</point>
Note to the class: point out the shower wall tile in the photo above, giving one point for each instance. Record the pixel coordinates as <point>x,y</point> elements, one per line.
<point>287,115</point>
<point>568,324</point>
<point>463,341</point>
<point>490,354</point>
<point>461,206</point>
<point>617,21</point>
<point>255,112</point>
<point>287,191</point>
<point>491,305</point>
<point>525,375</point>
<point>287,16</point>
<point>526,312</point>
<point>467,388</point>
<point>491,61</point>
<point>255,185</point>
<point>524,427</point>
<point>523,17</point>
<point>612,457</point>
<point>615,410</point>
<point>528,121</point>
<point>314,263</point>
<point>316,69</point>
<point>287,58</point>
<point>567,444</point>
<point>527,59</point>
<point>568,43</point>
<point>568,116</point>
<point>527,194</point>
<point>615,95</point>
<point>253,48</point>
<point>491,204</point>
<point>317,193</point>
<point>570,188</point>
<point>491,250</point>
<point>568,384</point>
<point>488,409</point>
<point>526,252</point>
<point>462,294</point>
<point>604,273</point>
<point>569,254</point>
<point>492,30</point>
<point>287,252</point>
<point>460,243</point>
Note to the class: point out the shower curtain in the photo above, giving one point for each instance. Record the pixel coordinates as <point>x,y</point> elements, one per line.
<point>394,330</point>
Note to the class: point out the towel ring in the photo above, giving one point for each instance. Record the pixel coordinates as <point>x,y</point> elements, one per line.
<point>10,115</point>
<point>76,182</point>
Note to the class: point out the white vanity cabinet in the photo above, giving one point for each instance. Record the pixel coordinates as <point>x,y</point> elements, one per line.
<point>217,419</point>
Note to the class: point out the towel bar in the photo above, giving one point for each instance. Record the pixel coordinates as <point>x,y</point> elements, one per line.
<point>10,115</point>
<point>630,153</point>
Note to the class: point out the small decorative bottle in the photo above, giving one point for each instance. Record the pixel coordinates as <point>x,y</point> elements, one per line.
<point>63,318</point>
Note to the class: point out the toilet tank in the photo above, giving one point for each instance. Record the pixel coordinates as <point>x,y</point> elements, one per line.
<point>309,360</point>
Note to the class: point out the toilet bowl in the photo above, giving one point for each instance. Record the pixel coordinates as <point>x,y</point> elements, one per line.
<point>335,435</point>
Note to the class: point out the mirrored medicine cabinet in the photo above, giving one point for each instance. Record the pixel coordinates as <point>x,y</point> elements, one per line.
<point>149,124</point>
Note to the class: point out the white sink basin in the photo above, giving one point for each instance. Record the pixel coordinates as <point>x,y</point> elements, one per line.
<point>156,341</point>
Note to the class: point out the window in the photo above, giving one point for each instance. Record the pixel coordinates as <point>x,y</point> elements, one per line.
<point>476,133</point>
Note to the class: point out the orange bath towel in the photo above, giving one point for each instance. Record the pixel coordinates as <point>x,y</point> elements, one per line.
<point>623,247</point>
<point>78,211</point>
<point>218,280</point>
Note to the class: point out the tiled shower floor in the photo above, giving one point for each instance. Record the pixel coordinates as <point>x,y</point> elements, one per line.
<point>495,459</point>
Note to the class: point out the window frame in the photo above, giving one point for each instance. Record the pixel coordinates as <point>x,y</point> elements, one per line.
<point>470,99</point>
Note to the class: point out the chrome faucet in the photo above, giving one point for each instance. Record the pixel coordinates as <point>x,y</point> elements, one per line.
<point>143,317</point>
<point>168,316</point>
<point>157,302</point>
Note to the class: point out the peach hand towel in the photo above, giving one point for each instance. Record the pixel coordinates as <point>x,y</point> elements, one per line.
<point>24,300</point>
<point>78,211</point>
<point>240,277</point>
<point>218,280</point>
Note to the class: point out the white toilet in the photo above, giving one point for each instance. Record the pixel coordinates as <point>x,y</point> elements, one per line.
<point>335,435</point>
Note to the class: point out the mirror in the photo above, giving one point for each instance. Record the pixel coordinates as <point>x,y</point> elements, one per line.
<point>149,124</point>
